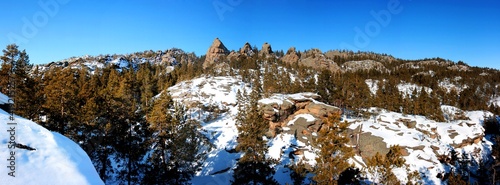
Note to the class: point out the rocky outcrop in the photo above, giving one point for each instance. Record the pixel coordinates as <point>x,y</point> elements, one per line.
<point>364,65</point>
<point>291,56</point>
<point>246,50</point>
<point>298,114</point>
<point>314,58</point>
<point>266,49</point>
<point>458,68</point>
<point>215,51</point>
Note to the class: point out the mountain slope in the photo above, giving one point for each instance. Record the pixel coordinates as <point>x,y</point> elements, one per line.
<point>55,160</point>
<point>426,143</point>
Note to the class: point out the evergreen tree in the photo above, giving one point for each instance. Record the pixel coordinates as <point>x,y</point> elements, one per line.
<point>253,167</point>
<point>333,156</point>
<point>9,60</point>
<point>178,146</point>
<point>15,72</point>
<point>298,173</point>
<point>60,100</point>
<point>381,167</point>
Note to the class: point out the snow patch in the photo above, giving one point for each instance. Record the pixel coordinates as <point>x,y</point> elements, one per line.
<point>56,160</point>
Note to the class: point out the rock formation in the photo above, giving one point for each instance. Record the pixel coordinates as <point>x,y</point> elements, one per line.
<point>266,49</point>
<point>246,50</point>
<point>291,108</point>
<point>364,65</point>
<point>316,59</point>
<point>291,56</point>
<point>215,51</point>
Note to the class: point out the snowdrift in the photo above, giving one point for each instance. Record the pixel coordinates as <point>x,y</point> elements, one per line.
<point>42,156</point>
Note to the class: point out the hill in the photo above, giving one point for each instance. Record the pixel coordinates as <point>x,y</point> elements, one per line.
<point>295,117</point>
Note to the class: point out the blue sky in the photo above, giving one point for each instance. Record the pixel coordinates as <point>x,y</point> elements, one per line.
<point>52,30</point>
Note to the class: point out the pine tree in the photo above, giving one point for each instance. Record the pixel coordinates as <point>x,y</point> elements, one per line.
<point>334,154</point>
<point>9,58</point>
<point>16,80</point>
<point>60,100</point>
<point>381,167</point>
<point>178,145</point>
<point>159,120</point>
<point>253,167</point>
<point>298,173</point>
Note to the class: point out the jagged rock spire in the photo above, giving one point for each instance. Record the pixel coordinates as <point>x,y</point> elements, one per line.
<point>216,50</point>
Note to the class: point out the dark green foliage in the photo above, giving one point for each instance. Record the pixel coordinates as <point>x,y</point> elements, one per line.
<point>491,125</point>
<point>349,176</point>
<point>177,144</point>
<point>253,172</point>
<point>298,173</point>
<point>456,179</point>
<point>253,167</point>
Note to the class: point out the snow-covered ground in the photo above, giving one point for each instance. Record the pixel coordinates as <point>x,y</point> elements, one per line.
<point>450,84</point>
<point>372,85</point>
<point>4,99</point>
<point>56,160</point>
<point>428,139</point>
<point>408,88</point>
<point>423,142</point>
<point>222,132</point>
<point>495,101</point>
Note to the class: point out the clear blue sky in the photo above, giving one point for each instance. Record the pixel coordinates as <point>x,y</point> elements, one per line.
<point>456,30</point>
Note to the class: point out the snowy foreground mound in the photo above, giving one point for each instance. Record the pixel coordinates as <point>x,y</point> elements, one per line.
<point>55,160</point>
<point>424,141</point>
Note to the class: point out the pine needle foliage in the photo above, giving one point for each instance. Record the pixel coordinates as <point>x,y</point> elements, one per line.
<point>333,156</point>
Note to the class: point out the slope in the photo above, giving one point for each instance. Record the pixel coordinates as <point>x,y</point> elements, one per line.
<point>54,160</point>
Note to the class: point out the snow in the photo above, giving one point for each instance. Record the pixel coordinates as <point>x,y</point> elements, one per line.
<point>280,98</point>
<point>4,99</point>
<point>423,143</point>
<point>452,134</point>
<point>408,88</point>
<point>120,62</point>
<point>495,101</point>
<point>372,85</point>
<point>222,132</point>
<point>207,90</point>
<point>56,160</point>
<point>448,84</point>
<point>308,117</point>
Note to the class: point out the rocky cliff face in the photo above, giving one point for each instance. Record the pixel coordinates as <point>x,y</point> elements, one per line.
<point>215,51</point>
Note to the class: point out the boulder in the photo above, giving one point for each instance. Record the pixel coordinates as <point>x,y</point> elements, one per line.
<point>317,109</point>
<point>369,145</point>
<point>215,51</point>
